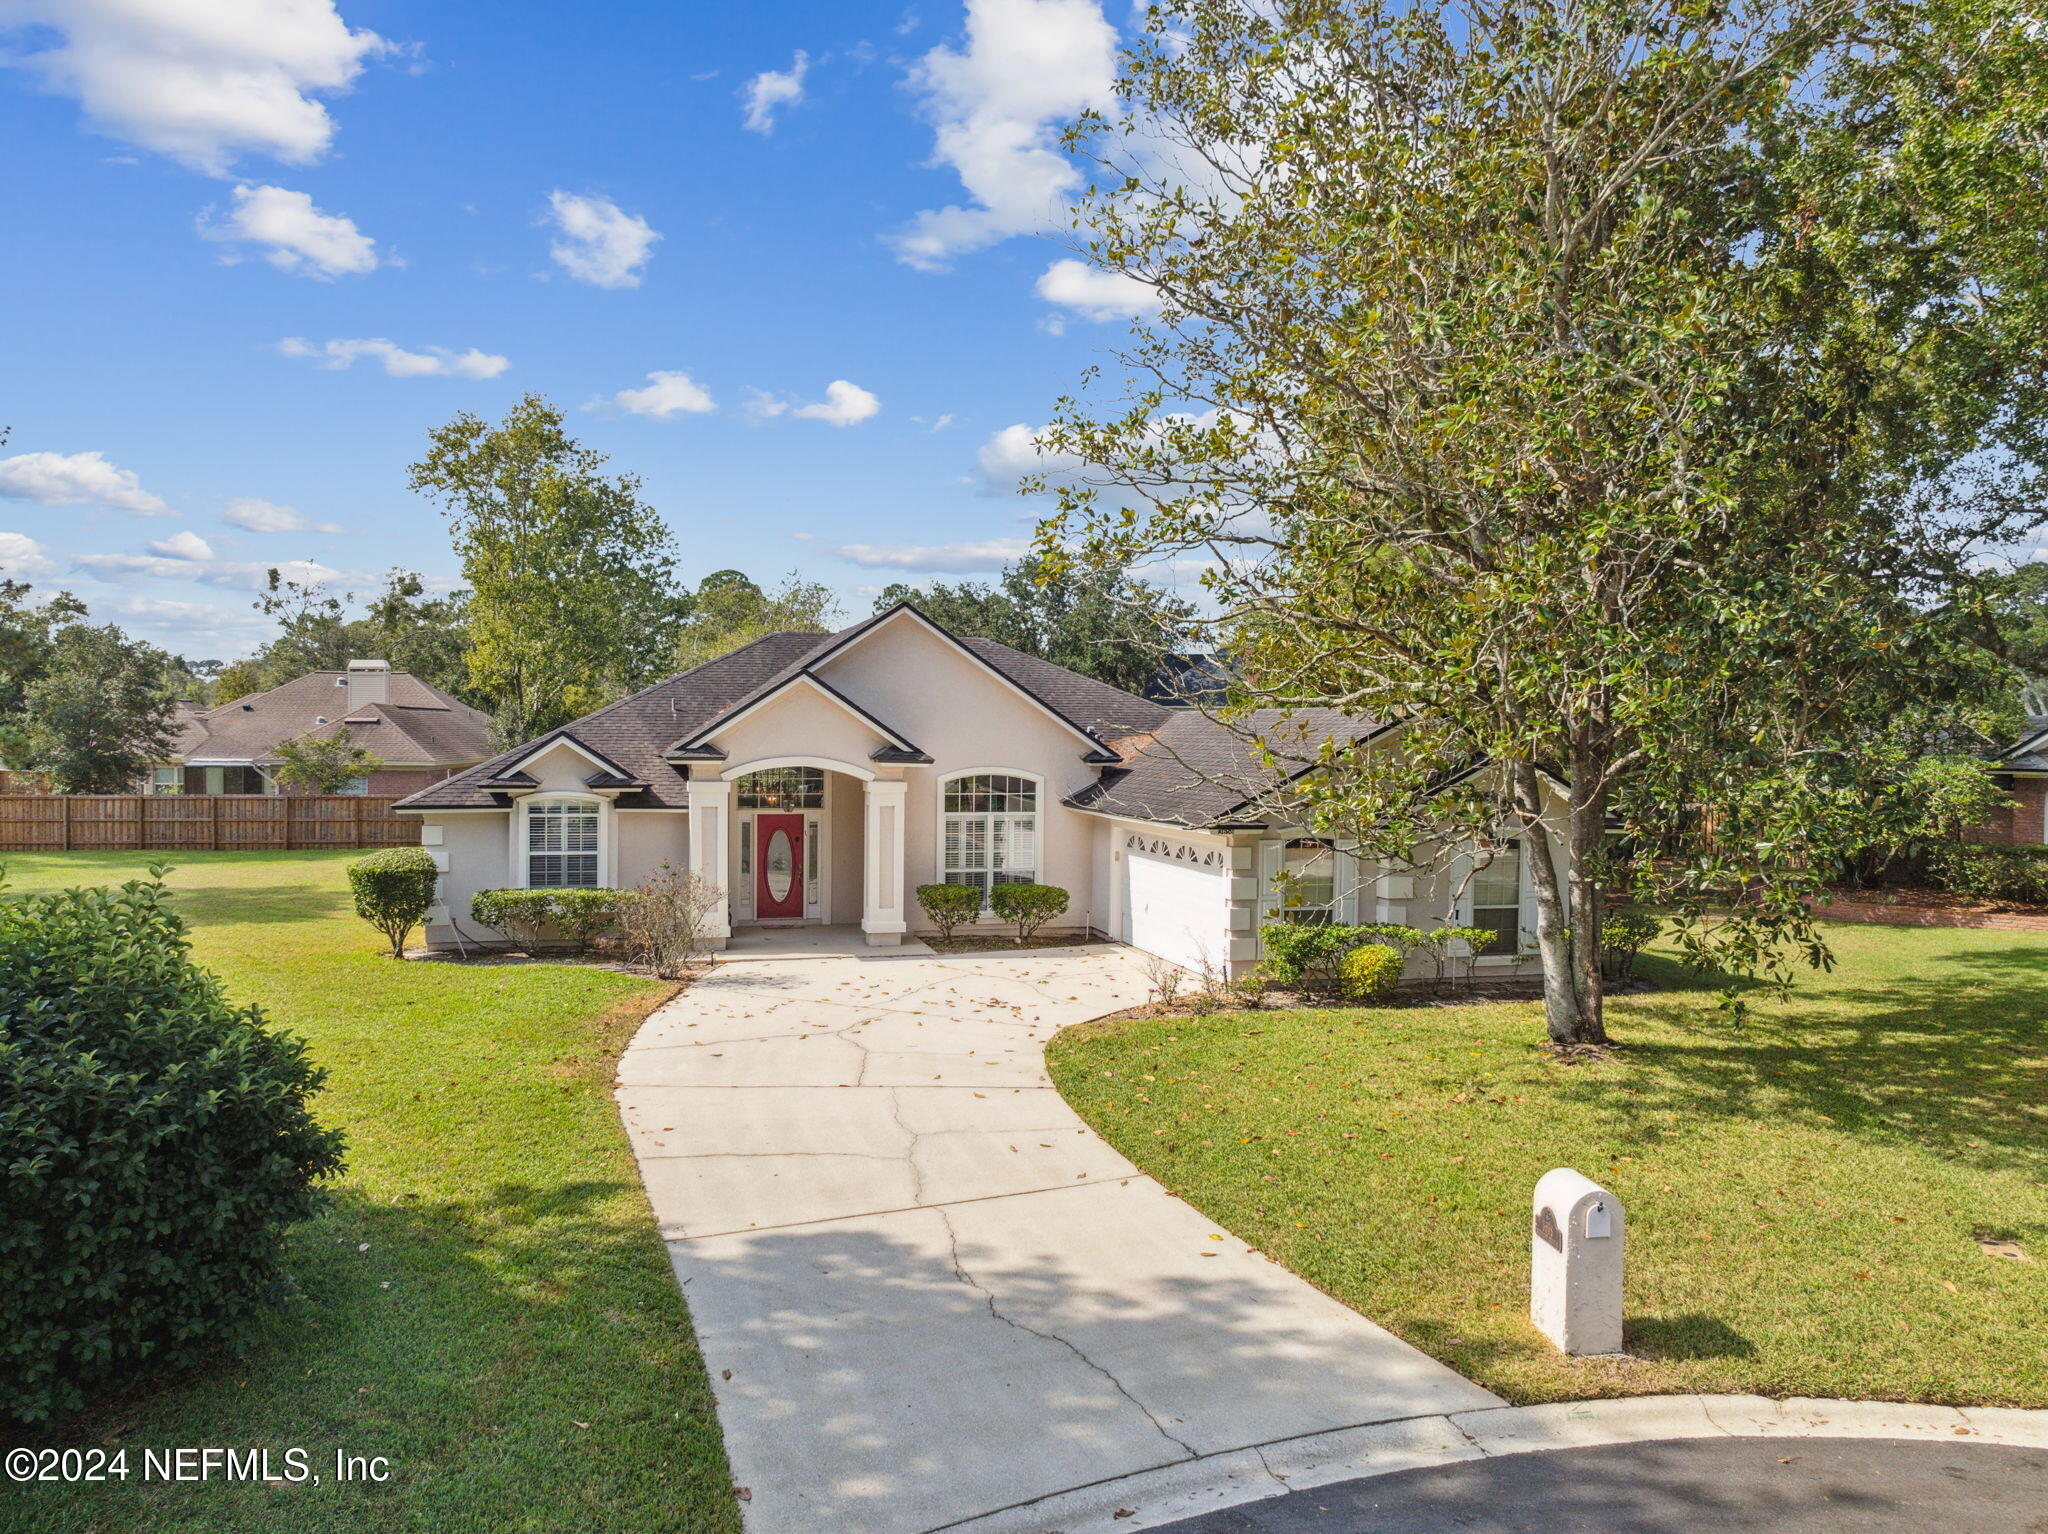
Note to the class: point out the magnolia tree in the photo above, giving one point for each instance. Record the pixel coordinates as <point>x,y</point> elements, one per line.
<point>1611,393</point>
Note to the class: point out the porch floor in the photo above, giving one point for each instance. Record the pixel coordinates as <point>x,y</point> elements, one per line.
<point>838,941</point>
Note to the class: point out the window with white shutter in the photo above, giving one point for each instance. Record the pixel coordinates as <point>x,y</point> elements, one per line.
<point>990,831</point>
<point>561,844</point>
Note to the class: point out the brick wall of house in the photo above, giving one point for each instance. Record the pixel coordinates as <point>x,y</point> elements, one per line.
<point>2023,823</point>
<point>400,781</point>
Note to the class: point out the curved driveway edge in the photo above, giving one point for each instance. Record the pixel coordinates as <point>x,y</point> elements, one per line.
<point>1178,1492</point>
<point>926,1291</point>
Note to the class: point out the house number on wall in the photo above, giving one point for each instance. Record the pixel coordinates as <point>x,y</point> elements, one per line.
<point>1174,852</point>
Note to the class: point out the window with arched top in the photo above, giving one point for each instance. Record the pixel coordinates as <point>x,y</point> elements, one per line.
<point>563,841</point>
<point>989,830</point>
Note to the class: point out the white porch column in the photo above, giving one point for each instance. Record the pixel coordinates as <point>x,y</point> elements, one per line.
<point>882,900</point>
<point>710,801</point>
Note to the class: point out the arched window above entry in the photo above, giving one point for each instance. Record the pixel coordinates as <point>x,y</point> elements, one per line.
<point>564,842</point>
<point>988,829</point>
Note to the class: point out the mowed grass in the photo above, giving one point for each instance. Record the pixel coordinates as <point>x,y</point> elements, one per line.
<point>486,1305</point>
<point>1803,1194</point>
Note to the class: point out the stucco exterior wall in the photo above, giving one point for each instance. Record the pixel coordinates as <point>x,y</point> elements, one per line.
<point>473,849</point>
<point>967,720</point>
<point>645,838</point>
<point>845,810</point>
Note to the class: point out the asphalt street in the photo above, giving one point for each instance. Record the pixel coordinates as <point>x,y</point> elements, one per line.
<point>1689,1486</point>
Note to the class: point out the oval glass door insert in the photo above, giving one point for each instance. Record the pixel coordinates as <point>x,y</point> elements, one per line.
<point>780,866</point>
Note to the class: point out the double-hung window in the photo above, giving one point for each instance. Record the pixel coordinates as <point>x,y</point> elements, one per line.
<point>1497,900</point>
<point>1308,881</point>
<point>561,844</point>
<point>990,834</point>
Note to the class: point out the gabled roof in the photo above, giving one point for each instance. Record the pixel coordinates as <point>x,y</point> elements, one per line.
<point>648,734</point>
<point>418,725</point>
<point>697,745</point>
<point>1051,688</point>
<point>2027,754</point>
<point>1192,771</point>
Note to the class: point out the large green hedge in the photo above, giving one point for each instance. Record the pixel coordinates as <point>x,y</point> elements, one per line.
<point>155,1145</point>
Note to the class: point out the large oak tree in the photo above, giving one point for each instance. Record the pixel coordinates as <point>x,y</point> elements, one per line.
<point>1616,391</point>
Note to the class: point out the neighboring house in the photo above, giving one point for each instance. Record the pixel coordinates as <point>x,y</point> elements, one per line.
<point>2022,771</point>
<point>822,777</point>
<point>421,734</point>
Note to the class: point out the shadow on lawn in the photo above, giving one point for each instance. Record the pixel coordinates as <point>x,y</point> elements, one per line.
<point>1949,1061</point>
<point>422,1301</point>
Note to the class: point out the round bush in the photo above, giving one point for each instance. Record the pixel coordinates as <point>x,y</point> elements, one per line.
<point>1029,906</point>
<point>948,905</point>
<point>155,1145</point>
<point>393,889</point>
<point>1369,972</point>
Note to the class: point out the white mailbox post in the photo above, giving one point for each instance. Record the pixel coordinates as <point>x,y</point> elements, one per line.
<point>1575,1249</point>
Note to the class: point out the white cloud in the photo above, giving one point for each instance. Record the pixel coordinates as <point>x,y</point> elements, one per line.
<point>601,243</point>
<point>1094,294</point>
<point>76,479</point>
<point>760,405</point>
<point>237,574</point>
<point>198,625</point>
<point>947,558</point>
<point>434,362</point>
<point>182,545</point>
<point>773,89</point>
<point>666,395</point>
<point>996,108</point>
<point>257,516</point>
<point>297,236</point>
<point>1015,452</point>
<point>22,557</point>
<point>202,81</point>
<point>844,404</point>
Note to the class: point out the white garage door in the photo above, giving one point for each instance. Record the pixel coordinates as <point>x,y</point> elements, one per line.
<point>1175,906</point>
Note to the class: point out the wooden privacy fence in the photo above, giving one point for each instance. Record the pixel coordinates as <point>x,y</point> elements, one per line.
<point>200,822</point>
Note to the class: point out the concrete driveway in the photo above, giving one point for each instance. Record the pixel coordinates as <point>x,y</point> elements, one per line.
<point>926,1292</point>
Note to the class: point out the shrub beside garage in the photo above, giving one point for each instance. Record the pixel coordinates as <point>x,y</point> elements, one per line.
<point>156,1145</point>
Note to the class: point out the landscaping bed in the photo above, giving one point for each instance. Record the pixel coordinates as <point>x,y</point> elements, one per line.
<point>486,1304</point>
<point>1813,1199</point>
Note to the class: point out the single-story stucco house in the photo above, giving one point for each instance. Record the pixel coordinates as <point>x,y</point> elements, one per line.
<point>420,733</point>
<point>820,778</point>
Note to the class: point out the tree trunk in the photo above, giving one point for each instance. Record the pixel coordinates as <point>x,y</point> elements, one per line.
<point>1571,965</point>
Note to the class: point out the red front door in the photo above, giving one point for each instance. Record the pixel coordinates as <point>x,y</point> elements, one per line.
<point>778,866</point>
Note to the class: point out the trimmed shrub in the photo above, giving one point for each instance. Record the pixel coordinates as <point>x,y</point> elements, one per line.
<point>948,905</point>
<point>393,889</point>
<point>1029,906</point>
<point>1307,953</point>
<point>1623,935</point>
<point>1990,871</point>
<point>155,1146</point>
<point>525,916</point>
<point>1369,972</point>
<point>584,915</point>
<point>665,918</point>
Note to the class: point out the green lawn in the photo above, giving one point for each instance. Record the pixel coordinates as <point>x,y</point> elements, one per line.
<point>1803,1195</point>
<point>486,1304</point>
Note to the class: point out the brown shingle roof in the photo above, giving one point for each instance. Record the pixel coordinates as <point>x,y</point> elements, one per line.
<point>1192,771</point>
<point>420,724</point>
<point>638,732</point>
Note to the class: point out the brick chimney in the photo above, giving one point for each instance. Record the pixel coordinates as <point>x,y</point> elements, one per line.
<point>369,681</point>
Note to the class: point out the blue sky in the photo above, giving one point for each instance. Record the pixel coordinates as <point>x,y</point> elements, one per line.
<point>260,249</point>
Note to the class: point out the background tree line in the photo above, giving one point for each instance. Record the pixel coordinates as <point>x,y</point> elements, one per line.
<point>571,598</point>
